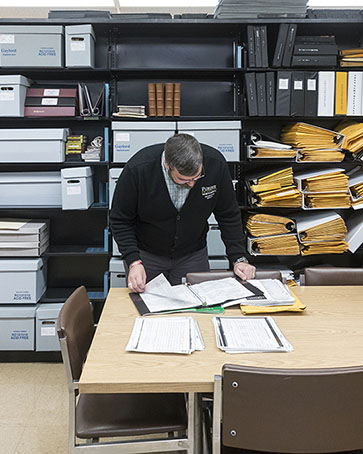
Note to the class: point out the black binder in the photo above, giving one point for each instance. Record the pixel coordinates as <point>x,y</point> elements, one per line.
<point>311,94</point>
<point>251,94</point>
<point>280,45</point>
<point>289,47</point>
<point>270,93</point>
<point>317,60</point>
<point>261,94</point>
<point>251,47</point>
<point>264,49</point>
<point>297,94</point>
<point>258,49</point>
<point>283,93</point>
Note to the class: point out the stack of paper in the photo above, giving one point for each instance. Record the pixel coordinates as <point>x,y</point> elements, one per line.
<point>249,334</point>
<point>328,200</point>
<point>165,335</point>
<point>23,238</point>
<point>272,181</point>
<point>240,9</point>
<point>353,135</point>
<point>327,247</point>
<point>329,181</point>
<point>351,57</point>
<point>268,224</point>
<point>355,183</point>
<point>274,245</point>
<point>315,144</point>
<point>130,111</point>
<point>322,226</point>
<point>265,147</point>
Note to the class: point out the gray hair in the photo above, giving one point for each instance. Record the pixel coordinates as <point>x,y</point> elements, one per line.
<point>184,153</point>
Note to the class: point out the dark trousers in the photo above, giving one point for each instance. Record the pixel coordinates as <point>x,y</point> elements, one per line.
<point>174,269</point>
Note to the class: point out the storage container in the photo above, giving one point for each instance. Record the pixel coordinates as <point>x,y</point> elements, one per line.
<point>77,188</point>
<point>46,337</point>
<point>130,137</point>
<point>222,135</point>
<point>17,327</point>
<point>219,264</point>
<point>215,244</point>
<point>22,280</point>
<point>117,273</point>
<point>12,95</point>
<point>30,189</point>
<point>31,46</point>
<point>114,174</point>
<point>80,46</point>
<point>33,145</point>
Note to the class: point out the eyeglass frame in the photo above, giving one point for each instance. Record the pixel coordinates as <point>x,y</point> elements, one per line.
<point>189,180</point>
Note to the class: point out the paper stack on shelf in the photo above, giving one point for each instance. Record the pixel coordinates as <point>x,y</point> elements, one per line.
<point>240,9</point>
<point>329,181</point>
<point>355,183</point>
<point>165,335</point>
<point>351,57</point>
<point>23,238</point>
<point>276,189</point>
<point>264,147</point>
<point>130,111</point>
<point>268,224</point>
<point>354,237</point>
<point>274,245</point>
<point>353,137</point>
<point>249,334</point>
<point>94,150</point>
<point>321,233</point>
<point>327,200</point>
<point>315,144</point>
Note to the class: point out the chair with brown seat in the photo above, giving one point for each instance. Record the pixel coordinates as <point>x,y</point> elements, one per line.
<point>288,411</point>
<point>95,416</point>
<point>333,276</point>
<point>197,278</point>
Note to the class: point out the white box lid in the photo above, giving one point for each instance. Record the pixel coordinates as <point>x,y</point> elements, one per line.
<point>30,177</point>
<point>32,29</point>
<point>115,172</point>
<point>209,125</point>
<point>143,126</point>
<point>77,172</point>
<point>34,134</point>
<point>21,265</point>
<point>15,80</point>
<point>17,311</point>
<point>48,311</point>
<point>85,29</point>
<point>117,265</point>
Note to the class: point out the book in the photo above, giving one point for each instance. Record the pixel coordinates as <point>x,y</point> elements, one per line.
<point>159,99</point>
<point>177,99</point>
<point>280,45</point>
<point>283,93</point>
<point>151,92</point>
<point>341,92</point>
<point>169,99</point>
<point>261,94</point>
<point>326,93</point>
<point>270,93</point>
<point>251,93</point>
<point>251,46</point>
<point>297,106</point>
<point>318,60</point>
<point>311,94</point>
<point>289,46</point>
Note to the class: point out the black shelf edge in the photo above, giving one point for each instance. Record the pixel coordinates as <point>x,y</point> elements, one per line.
<point>59,165</point>
<point>59,295</point>
<point>70,250</point>
<point>53,119</point>
<point>95,206</point>
<point>181,118</point>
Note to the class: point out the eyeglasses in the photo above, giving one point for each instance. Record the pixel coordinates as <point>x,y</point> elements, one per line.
<point>189,180</point>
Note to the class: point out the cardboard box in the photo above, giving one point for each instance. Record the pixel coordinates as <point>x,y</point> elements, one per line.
<point>17,327</point>
<point>221,135</point>
<point>46,337</point>
<point>31,46</point>
<point>77,188</point>
<point>130,137</point>
<point>117,273</point>
<point>215,244</point>
<point>80,46</point>
<point>12,95</point>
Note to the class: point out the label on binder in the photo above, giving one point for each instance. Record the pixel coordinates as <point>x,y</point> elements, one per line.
<point>298,84</point>
<point>311,86</point>
<point>51,92</point>
<point>49,101</point>
<point>283,84</point>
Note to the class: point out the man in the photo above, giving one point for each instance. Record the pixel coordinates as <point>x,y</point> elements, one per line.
<point>161,204</point>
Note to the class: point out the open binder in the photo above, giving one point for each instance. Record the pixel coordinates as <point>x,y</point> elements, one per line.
<point>262,146</point>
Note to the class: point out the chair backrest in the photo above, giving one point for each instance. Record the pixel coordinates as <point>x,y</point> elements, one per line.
<point>197,278</point>
<point>76,327</point>
<point>292,411</point>
<point>333,276</point>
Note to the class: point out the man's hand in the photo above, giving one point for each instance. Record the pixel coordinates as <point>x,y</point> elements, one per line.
<point>244,270</point>
<point>137,277</point>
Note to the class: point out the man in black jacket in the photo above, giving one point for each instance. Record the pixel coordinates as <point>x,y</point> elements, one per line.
<point>162,201</point>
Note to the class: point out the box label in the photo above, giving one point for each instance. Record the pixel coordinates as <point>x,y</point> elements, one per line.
<point>19,335</point>
<point>51,92</point>
<point>8,39</point>
<point>7,95</point>
<point>78,46</point>
<point>47,331</point>
<point>47,52</point>
<point>74,190</point>
<point>22,295</point>
<point>49,101</point>
<point>122,137</point>
<point>226,148</point>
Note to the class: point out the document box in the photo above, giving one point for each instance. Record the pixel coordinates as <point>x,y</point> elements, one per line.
<point>77,188</point>
<point>215,244</point>
<point>114,174</point>
<point>12,95</point>
<point>31,46</point>
<point>117,273</point>
<point>46,338</point>
<point>22,280</point>
<point>130,137</point>
<point>30,189</point>
<point>221,135</point>
<point>17,327</point>
<point>80,46</point>
<point>33,145</point>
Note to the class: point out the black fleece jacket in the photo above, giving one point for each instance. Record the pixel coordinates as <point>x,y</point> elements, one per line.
<point>144,217</point>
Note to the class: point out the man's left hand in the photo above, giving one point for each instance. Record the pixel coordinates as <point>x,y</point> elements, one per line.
<point>244,270</point>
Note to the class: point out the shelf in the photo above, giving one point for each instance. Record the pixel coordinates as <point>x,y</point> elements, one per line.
<point>181,118</point>
<point>73,250</point>
<point>53,119</point>
<point>175,72</point>
<point>59,295</point>
<point>58,165</point>
<point>94,206</point>
<point>55,73</point>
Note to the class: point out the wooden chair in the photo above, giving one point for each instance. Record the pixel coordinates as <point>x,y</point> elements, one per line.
<point>288,411</point>
<point>197,278</point>
<point>333,276</point>
<point>95,416</point>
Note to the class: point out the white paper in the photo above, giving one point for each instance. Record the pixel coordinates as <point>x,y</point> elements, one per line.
<point>7,95</point>
<point>122,137</point>
<point>11,225</point>
<point>78,46</point>
<point>7,39</point>
<point>51,92</point>
<point>47,331</point>
<point>73,190</point>
<point>49,101</point>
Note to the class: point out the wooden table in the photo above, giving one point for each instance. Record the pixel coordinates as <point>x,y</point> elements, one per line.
<point>329,333</point>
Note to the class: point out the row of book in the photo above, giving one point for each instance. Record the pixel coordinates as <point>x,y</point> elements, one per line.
<point>351,57</point>
<point>164,99</point>
<point>317,189</point>
<point>303,233</point>
<point>304,93</point>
